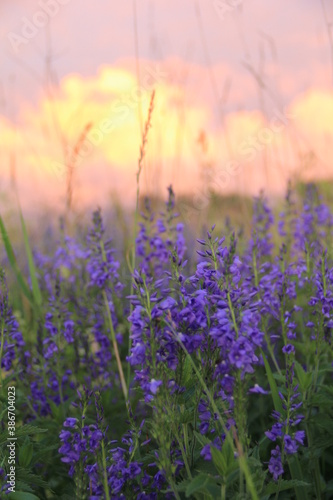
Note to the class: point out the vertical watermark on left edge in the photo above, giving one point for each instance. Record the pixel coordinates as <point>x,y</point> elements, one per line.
<point>11,439</point>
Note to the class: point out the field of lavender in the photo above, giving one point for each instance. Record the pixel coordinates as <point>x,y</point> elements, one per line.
<point>179,370</point>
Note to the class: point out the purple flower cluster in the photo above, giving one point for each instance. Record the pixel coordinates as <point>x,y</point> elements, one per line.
<point>11,340</point>
<point>284,429</point>
<point>79,279</point>
<point>158,237</point>
<point>81,449</point>
<point>101,264</point>
<point>211,343</point>
<point>77,443</point>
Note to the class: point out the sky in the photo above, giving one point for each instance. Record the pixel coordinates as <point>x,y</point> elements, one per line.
<point>243,96</point>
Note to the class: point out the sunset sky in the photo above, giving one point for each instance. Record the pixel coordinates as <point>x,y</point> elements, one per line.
<point>243,95</point>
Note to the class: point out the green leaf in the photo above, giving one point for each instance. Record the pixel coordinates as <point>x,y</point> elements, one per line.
<point>45,454</point>
<point>22,495</point>
<point>28,477</point>
<point>10,377</point>
<point>25,430</point>
<point>232,477</point>
<point>325,422</point>
<point>186,417</point>
<point>321,443</point>
<point>283,485</point>
<point>204,466</point>
<point>224,460</point>
<point>304,378</point>
<point>275,393</point>
<point>32,269</point>
<point>182,486</point>
<point>329,487</point>
<point>203,484</point>
<point>25,454</point>
<point>255,453</point>
<point>3,411</point>
<point>13,262</point>
<point>188,395</point>
<point>219,461</point>
<point>22,486</point>
<point>296,474</point>
<point>203,440</point>
<point>257,472</point>
<point>56,411</point>
<point>187,379</point>
<point>29,430</point>
<point>322,400</point>
<point>305,348</point>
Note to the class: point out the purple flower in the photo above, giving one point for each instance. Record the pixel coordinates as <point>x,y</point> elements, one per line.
<point>191,342</point>
<point>69,331</point>
<point>52,348</point>
<point>138,354</point>
<point>275,432</point>
<point>168,303</point>
<point>13,342</point>
<point>288,349</point>
<point>275,465</point>
<point>300,436</point>
<point>290,445</point>
<point>154,385</point>
<point>258,390</point>
<point>206,452</point>
<point>70,422</point>
<point>237,357</point>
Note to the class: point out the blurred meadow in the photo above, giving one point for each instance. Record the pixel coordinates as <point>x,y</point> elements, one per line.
<point>243,101</point>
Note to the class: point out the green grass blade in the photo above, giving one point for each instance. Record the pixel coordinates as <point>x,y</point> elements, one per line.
<point>32,268</point>
<point>296,474</point>
<point>275,393</point>
<point>12,260</point>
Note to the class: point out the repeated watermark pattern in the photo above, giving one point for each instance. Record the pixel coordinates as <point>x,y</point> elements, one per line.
<point>225,7</point>
<point>246,152</point>
<point>31,27</point>
<point>120,110</point>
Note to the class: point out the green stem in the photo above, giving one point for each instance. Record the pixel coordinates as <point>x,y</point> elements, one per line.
<point>59,372</point>
<point>115,347</point>
<point>80,493</point>
<point>232,314</point>
<point>319,342</point>
<point>138,174</point>
<point>136,217</point>
<point>186,442</point>
<point>240,410</point>
<point>113,335</point>
<point>175,492</point>
<point>316,469</point>
<point>254,261</point>
<point>183,452</point>
<point>271,352</point>
<point>223,492</point>
<point>105,477</point>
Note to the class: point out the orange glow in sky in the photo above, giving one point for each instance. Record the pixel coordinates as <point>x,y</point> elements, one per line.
<point>234,120</point>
